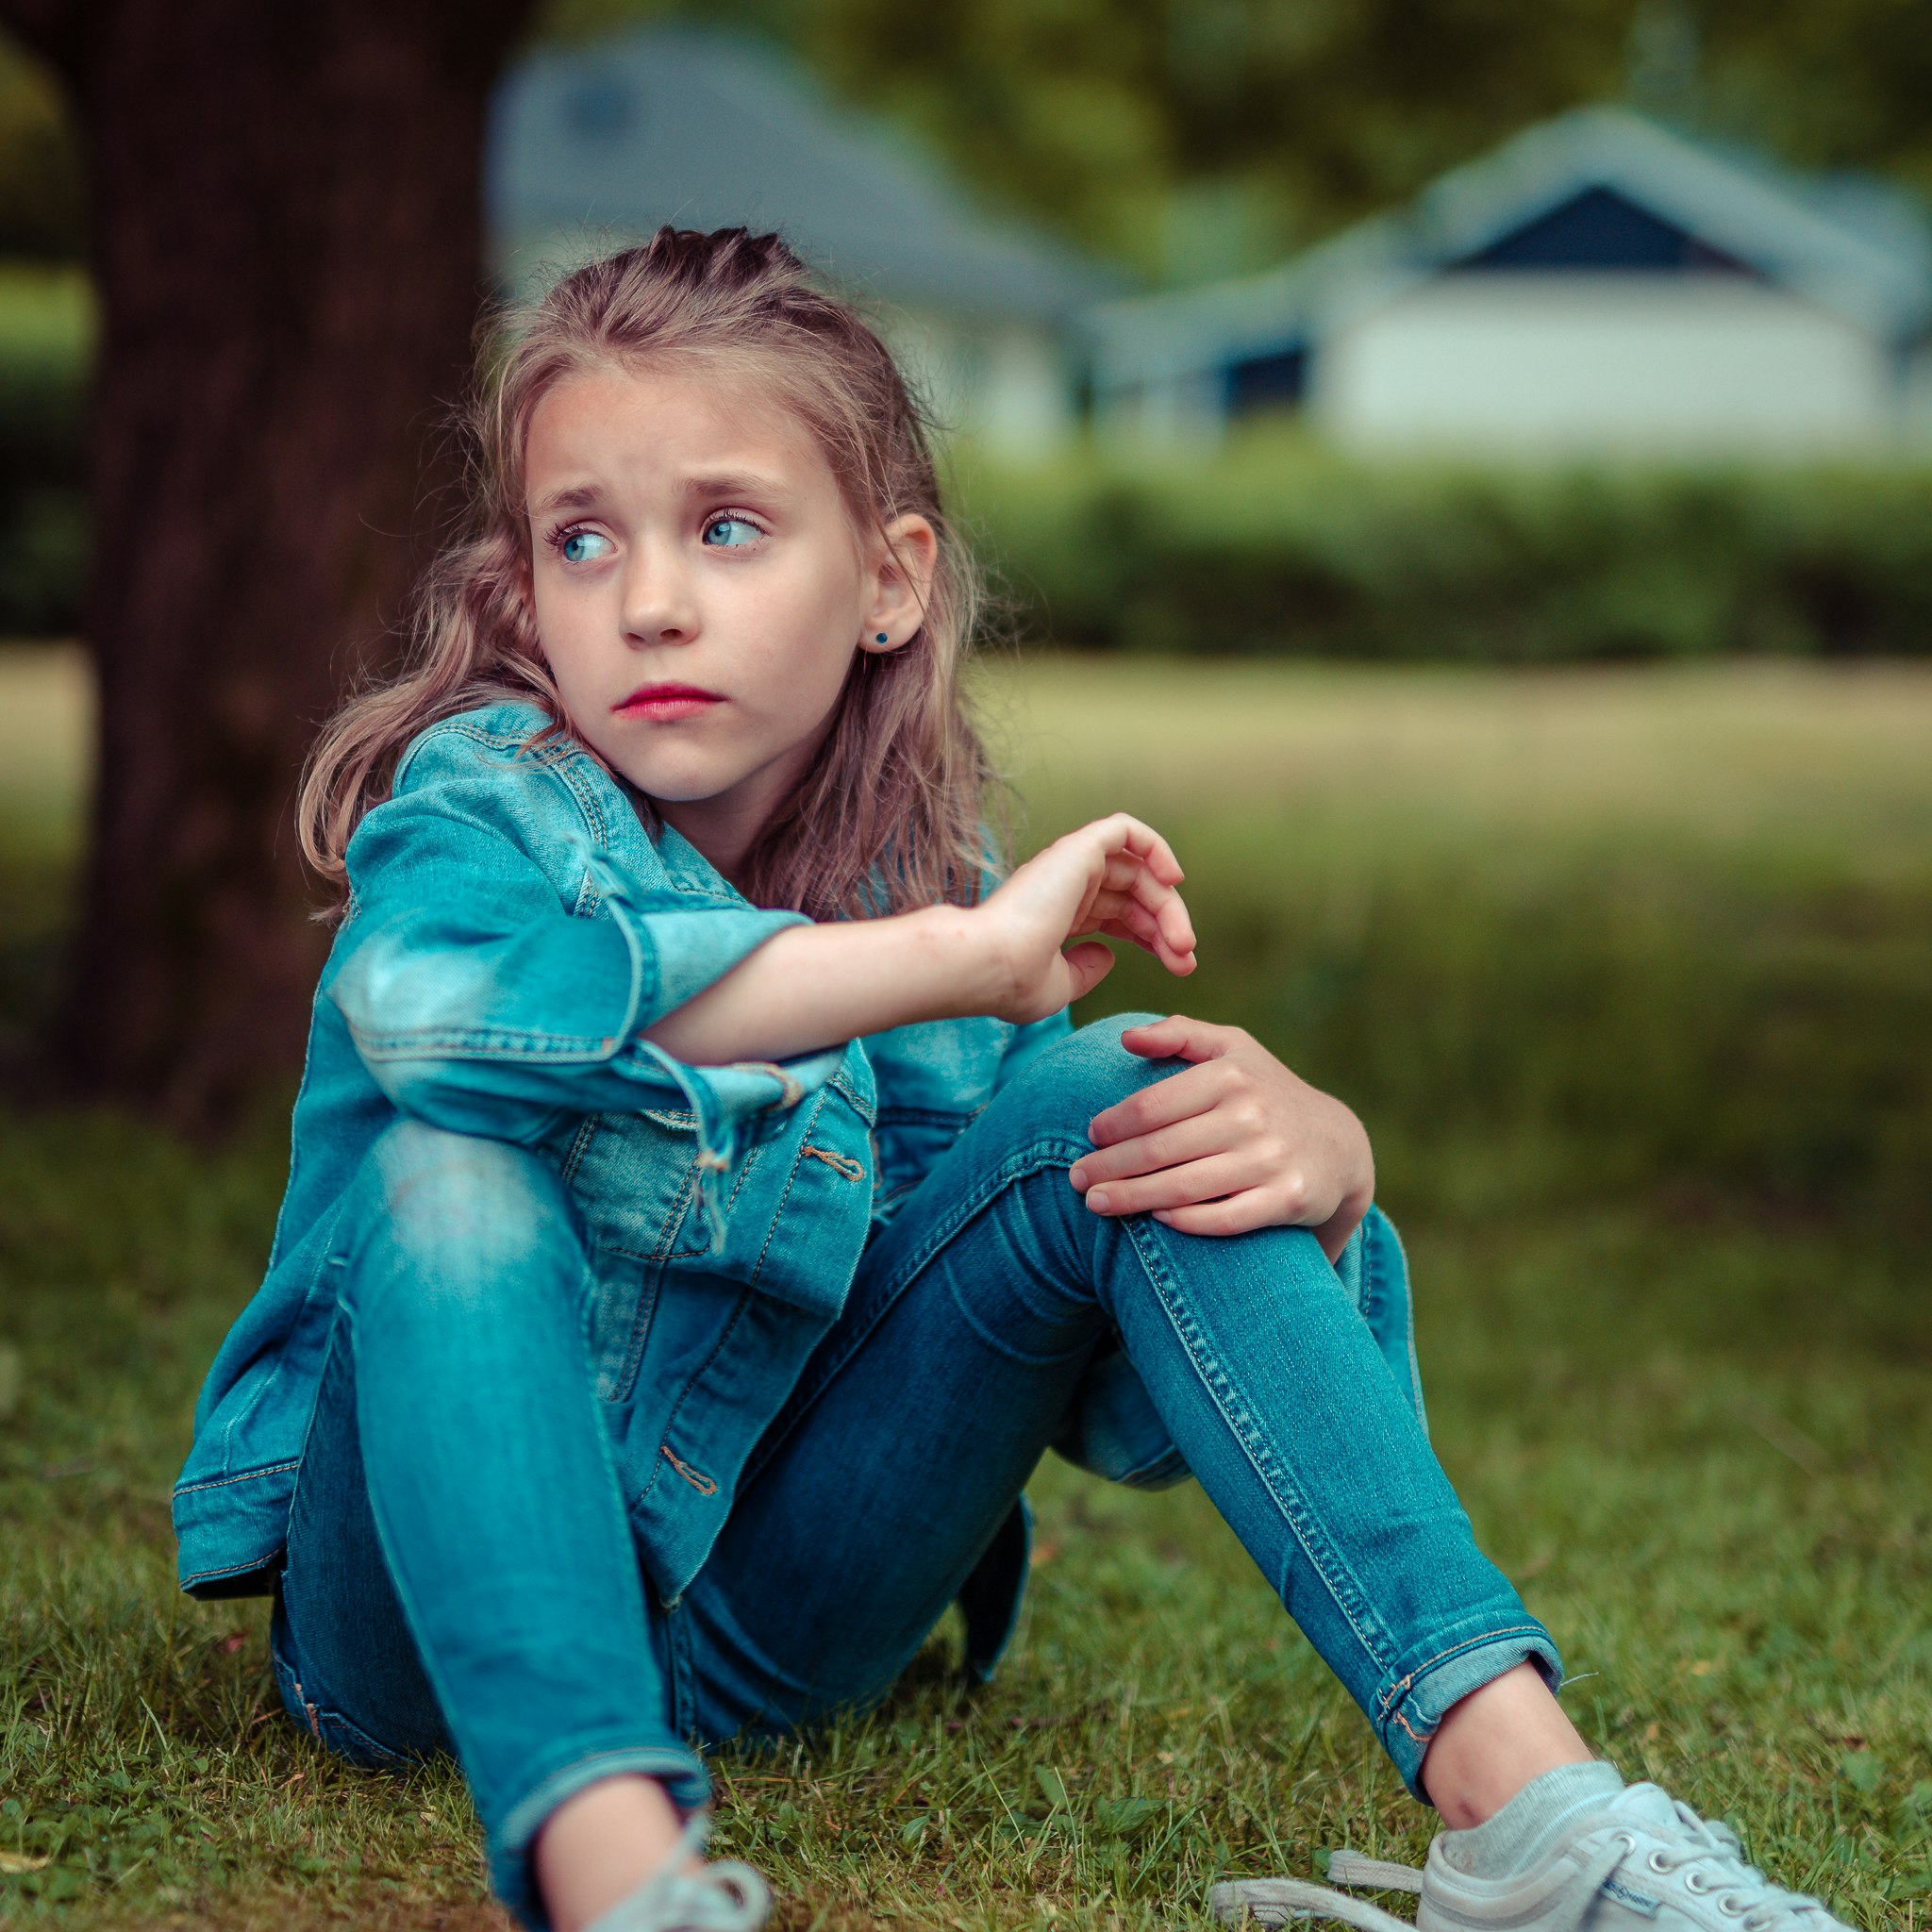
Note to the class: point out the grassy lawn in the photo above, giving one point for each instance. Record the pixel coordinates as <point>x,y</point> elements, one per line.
<point>1630,974</point>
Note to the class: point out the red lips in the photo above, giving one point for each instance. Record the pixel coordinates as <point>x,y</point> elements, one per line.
<point>661,702</point>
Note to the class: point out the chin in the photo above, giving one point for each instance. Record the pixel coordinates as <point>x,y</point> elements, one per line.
<point>673,786</point>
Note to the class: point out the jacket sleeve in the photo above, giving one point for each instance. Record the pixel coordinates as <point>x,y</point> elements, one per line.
<point>484,999</point>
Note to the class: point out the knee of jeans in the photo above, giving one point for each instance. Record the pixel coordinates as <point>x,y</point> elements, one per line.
<point>1382,1288</point>
<point>1087,1072</point>
<point>465,1220</point>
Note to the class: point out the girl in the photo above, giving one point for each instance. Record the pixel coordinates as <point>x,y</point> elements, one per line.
<point>702,1216</point>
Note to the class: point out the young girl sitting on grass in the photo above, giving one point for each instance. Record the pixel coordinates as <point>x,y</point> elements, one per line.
<point>702,1215</point>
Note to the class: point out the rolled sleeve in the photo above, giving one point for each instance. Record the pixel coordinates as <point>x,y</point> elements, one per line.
<point>487,1000</point>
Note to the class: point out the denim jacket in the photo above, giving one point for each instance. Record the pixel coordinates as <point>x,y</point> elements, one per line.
<point>512,931</point>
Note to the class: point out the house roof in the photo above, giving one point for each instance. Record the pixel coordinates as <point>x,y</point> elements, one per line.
<point>611,139</point>
<point>1852,246</point>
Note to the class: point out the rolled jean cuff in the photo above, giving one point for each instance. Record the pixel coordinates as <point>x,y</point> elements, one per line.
<point>681,1772</point>
<point>1414,1709</point>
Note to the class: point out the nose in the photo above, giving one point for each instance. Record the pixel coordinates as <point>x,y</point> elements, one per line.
<point>659,605</point>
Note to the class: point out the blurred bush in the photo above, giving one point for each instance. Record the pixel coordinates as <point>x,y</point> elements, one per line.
<point>1646,1025</point>
<point>1275,546</point>
<point>46,337</point>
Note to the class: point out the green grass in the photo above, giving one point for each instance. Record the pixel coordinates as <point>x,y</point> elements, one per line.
<point>1632,977</point>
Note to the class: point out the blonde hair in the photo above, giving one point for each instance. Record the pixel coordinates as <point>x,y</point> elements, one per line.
<point>889,815</point>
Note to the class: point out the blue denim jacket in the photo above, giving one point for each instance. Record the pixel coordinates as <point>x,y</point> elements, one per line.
<point>512,931</point>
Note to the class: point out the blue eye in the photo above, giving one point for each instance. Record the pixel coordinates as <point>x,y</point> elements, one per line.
<point>732,533</point>
<point>580,546</point>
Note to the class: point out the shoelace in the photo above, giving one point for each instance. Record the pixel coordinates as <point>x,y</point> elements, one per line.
<point>1276,1901</point>
<point>726,1896</point>
<point>1736,1885</point>
<point>1738,1889</point>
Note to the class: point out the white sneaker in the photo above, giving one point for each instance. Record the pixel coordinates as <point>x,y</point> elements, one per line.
<point>724,1895</point>
<point>1641,1863</point>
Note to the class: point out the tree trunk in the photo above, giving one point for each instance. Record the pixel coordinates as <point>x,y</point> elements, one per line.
<point>287,239</point>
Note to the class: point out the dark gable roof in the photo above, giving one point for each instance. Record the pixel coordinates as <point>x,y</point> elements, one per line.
<point>1598,189</point>
<point>613,138</point>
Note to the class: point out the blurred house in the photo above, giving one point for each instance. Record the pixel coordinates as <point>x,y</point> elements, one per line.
<point>1599,283</point>
<point>597,144</point>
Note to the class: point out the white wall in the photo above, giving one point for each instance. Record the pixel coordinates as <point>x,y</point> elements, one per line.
<point>1188,409</point>
<point>1591,362</point>
<point>1010,387</point>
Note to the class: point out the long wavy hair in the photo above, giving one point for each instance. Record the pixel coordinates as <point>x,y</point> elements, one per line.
<point>889,817</point>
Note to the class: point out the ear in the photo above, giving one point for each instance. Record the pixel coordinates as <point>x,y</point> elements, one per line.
<point>905,558</point>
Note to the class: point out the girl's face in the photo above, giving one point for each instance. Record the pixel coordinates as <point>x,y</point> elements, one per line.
<point>700,589</point>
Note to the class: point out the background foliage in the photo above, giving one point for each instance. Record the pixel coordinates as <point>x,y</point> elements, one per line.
<point>1190,137</point>
<point>1272,545</point>
<point>1197,138</point>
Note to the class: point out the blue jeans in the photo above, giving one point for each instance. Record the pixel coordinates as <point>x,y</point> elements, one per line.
<point>460,1574</point>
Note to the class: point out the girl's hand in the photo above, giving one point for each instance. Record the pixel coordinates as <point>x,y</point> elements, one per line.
<point>1237,1142</point>
<point>1115,876</point>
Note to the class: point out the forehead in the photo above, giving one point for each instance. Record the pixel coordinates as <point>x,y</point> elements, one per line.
<point>617,424</point>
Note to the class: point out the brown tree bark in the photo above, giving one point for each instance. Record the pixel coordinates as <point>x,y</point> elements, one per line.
<point>286,230</point>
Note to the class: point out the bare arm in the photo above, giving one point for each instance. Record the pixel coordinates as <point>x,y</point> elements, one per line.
<point>813,985</point>
<point>1236,1141</point>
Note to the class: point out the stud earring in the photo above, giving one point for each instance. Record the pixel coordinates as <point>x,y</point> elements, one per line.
<point>881,638</point>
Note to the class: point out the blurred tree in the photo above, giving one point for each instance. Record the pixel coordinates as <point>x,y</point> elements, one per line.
<point>1203,136</point>
<point>1824,83</point>
<point>40,168</point>
<point>284,225</point>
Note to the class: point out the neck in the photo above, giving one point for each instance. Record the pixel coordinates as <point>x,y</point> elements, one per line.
<point>726,826</point>
<point>725,837</point>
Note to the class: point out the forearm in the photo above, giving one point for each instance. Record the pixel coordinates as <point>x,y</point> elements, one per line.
<point>811,987</point>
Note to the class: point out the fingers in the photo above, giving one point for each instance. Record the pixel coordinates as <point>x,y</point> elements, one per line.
<point>1088,964</point>
<point>1159,1105</point>
<point>1153,915</point>
<point>1121,832</point>
<point>1134,923</point>
<point>1193,1139</point>
<point>1193,1181</point>
<point>1236,1214</point>
<point>1178,1037</point>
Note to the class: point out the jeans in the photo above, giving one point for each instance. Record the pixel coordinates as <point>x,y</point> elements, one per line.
<point>460,1575</point>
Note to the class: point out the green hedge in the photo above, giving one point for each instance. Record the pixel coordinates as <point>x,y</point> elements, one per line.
<point>1273,547</point>
<point>1270,546</point>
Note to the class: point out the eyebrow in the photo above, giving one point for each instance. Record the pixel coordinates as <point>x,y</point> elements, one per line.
<point>737,483</point>
<point>734,483</point>
<point>584,496</point>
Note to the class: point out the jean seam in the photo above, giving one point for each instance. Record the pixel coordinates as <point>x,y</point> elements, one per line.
<point>677,1654</point>
<point>247,1476</point>
<point>1385,1232</point>
<point>725,1335</point>
<point>324,1256</point>
<point>759,1267</point>
<point>586,1131</point>
<point>657,1260</point>
<point>667,1248</point>
<point>1351,1600</point>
